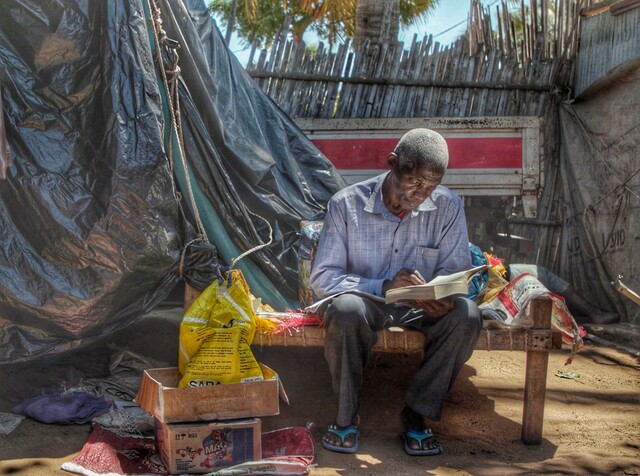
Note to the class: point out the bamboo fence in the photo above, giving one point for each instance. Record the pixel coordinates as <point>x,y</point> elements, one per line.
<point>510,63</point>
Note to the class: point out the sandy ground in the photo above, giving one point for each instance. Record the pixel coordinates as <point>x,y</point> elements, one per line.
<point>592,424</point>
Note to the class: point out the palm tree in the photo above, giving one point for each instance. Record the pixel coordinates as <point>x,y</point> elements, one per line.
<point>330,19</point>
<point>377,21</point>
<point>231,22</point>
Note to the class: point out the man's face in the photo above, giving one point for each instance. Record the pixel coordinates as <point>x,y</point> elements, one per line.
<point>413,188</point>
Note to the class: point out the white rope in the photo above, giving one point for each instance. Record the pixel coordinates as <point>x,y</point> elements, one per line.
<point>255,248</point>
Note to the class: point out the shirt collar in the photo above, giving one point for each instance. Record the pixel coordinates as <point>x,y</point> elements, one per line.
<point>375,203</point>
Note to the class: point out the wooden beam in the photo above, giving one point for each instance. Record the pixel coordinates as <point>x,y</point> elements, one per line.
<point>536,377</point>
<point>425,83</point>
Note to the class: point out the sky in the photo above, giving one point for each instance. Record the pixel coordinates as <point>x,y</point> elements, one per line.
<point>447,22</point>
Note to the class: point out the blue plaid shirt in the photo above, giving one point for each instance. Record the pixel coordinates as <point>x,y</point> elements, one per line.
<point>362,243</point>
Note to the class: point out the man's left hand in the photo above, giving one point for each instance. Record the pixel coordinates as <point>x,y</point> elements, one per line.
<point>437,308</point>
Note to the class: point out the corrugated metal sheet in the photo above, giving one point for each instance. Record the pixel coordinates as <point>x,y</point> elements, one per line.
<point>606,41</point>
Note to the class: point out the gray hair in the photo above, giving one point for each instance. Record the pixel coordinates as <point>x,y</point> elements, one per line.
<point>422,148</point>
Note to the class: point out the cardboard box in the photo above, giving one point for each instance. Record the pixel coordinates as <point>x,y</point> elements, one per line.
<point>160,396</point>
<point>203,447</point>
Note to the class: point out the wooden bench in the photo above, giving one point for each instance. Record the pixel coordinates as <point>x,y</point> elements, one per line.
<point>536,341</point>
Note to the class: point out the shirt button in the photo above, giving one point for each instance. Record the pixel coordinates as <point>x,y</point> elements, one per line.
<point>396,250</point>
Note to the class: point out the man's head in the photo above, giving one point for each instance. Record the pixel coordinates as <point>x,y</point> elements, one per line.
<point>421,148</point>
<point>417,166</point>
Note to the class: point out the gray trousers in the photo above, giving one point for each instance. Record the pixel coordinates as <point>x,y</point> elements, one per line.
<point>351,323</point>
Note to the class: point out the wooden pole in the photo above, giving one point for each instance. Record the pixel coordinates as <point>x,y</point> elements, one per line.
<point>190,295</point>
<point>536,378</point>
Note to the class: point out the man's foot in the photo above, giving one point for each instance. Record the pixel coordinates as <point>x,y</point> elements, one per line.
<point>421,443</point>
<point>343,439</point>
<point>418,440</point>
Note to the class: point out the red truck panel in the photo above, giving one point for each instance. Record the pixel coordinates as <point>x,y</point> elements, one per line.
<point>464,152</point>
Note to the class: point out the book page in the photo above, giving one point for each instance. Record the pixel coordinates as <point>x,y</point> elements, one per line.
<point>456,284</point>
<point>468,274</point>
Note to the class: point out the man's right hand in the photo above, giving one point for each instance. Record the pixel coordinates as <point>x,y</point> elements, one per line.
<point>411,277</point>
<point>404,277</point>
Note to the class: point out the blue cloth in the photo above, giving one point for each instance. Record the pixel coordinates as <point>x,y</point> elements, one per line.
<point>480,280</point>
<point>362,243</point>
<point>73,407</point>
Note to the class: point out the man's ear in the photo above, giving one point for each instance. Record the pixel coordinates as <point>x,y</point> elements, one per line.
<point>392,160</point>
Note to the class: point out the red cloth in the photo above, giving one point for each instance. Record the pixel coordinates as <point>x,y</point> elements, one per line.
<point>107,452</point>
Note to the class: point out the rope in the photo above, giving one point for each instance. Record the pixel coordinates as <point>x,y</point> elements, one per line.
<point>258,247</point>
<point>182,255</point>
<point>174,110</point>
<point>171,88</point>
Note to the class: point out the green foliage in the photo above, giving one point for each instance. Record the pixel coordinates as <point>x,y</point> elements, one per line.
<point>259,25</point>
<point>416,11</point>
<point>260,21</point>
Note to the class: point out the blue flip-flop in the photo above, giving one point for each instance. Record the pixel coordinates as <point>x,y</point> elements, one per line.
<point>420,436</point>
<point>342,432</point>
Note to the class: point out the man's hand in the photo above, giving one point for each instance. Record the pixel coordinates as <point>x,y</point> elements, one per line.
<point>410,277</point>
<point>404,277</point>
<point>435,308</point>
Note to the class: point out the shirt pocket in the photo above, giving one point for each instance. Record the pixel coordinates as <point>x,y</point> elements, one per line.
<point>426,260</point>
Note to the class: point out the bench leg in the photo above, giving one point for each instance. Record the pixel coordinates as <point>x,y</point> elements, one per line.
<point>536,378</point>
<point>190,295</point>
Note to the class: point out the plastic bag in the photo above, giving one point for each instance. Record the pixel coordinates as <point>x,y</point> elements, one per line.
<point>508,309</point>
<point>9,422</point>
<point>509,305</point>
<point>278,465</point>
<point>198,263</point>
<point>309,238</point>
<point>287,451</point>
<point>495,284</point>
<point>479,281</point>
<point>216,334</point>
<point>484,286</point>
<point>291,441</point>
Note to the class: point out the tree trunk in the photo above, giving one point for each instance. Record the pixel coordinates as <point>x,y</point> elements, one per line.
<point>231,23</point>
<point>377,21</point>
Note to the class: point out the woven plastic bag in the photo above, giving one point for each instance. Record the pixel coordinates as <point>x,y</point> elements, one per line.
<point>285,452</point>
<point>216,334</point>
<point>290,441</point>
<point>508,308</point>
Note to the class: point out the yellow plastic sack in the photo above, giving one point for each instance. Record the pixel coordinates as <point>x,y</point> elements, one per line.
<point>215,336</point>
<point>494,286</point>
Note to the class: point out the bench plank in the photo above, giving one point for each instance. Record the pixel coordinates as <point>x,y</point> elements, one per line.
<point>404,340</point>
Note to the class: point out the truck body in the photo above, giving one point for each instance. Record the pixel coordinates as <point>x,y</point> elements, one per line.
<point>490,156</point>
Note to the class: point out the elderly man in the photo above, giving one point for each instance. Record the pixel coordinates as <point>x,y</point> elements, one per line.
<point>397,229</point>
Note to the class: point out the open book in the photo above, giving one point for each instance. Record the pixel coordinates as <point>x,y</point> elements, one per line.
<point>456,284</point>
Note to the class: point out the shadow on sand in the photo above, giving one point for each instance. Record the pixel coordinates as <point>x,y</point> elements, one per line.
<point>471,432</point>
